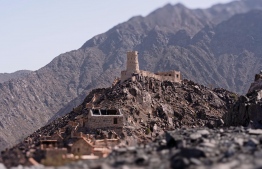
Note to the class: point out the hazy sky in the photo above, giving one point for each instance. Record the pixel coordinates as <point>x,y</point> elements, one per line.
<point>33,32</point>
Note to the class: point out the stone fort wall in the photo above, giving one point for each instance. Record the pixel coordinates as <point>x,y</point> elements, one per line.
<point>132,68</point>
<point>173,76</point>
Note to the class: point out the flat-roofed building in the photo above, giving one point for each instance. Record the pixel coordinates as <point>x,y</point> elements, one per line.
<point>104,119</point>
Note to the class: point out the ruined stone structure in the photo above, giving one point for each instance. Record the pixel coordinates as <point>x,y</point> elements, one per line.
<point>104,119</point>
<point>82,146</point>
<point>132,69</point>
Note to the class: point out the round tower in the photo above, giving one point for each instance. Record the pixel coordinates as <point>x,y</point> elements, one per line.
<point>132,64</point>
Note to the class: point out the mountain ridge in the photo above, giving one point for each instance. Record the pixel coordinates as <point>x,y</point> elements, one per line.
<point>18,74</point>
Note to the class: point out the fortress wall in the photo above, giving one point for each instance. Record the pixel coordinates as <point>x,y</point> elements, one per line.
<point>132,67</point>
<point>125,75</point>
<point>173,76</point>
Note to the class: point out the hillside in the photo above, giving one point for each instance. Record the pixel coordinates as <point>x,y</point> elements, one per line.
<point>183,111</point>
<point>146,103</point>
<point>177,39</point>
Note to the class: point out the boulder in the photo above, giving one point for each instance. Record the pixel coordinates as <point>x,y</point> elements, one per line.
<point>165,111</point>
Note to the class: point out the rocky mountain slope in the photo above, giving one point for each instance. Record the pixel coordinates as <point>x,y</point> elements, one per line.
<point>166,39</point>
<point>150,107</point>
<point>18,74</point>
<point>247,110</point>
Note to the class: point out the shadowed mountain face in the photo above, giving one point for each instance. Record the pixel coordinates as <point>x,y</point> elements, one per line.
<point>172,37</point>
<point>18,74</point>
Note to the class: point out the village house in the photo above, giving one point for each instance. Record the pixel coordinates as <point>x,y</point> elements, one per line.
<point>79,145</point>
<point>82,146</point>
<point>100,148</point>
<point>104,119</point>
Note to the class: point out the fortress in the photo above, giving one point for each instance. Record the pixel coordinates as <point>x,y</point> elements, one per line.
<point>132,69</point>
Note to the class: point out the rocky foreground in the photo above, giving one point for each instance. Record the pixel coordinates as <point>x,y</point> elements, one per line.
<point>227,148</point>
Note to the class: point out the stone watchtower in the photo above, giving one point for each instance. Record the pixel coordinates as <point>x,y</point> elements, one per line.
<point>132,65</point>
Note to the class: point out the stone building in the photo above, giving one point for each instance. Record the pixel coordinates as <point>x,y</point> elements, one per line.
<point>104,119</point>
<point>132,68</point>
<point>82,146</point>
<point>99,148</point>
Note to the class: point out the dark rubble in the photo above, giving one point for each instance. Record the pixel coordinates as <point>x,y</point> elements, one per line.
<point>224,148</point>
<point>195,148</point>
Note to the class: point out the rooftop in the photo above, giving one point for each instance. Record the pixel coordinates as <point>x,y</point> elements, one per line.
<point>104,112</point>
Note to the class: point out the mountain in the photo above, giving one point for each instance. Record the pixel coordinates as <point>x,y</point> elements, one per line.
<point>172,37</point>
<point>18,74</point>
<point>225,55</point>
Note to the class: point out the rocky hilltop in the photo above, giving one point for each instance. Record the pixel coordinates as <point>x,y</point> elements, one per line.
<point>187,109</point>
<point>150,107</point>
<point>172,37</point>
